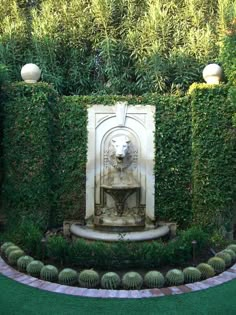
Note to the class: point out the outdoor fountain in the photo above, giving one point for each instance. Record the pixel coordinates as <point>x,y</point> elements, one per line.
<point>120,174</point>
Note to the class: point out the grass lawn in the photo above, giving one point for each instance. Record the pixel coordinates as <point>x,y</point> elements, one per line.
<point>16,298</point>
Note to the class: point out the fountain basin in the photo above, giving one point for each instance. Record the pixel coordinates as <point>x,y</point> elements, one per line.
<point>92,234</point>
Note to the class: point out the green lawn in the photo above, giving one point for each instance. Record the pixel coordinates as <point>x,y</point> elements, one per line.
<point>16,298</point>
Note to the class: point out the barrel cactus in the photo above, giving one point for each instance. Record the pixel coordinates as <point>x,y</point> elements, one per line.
<point>5,246</point>
<point>226,257</point>
<point>14,255</point>
<point>68,276</point>
<point>34,268</point>
<point>206,270</point>
<point>231,252</point>
<point>217,264</point>
<point>23,262</point>
<point>154,279</point>
<point>191,274</point>
<point>175,277</point>
<point>10,249</point>
<point>88,278</point>
<point>49,273</point>
<point>110,280</point>
<point>132,281</point>
<point>233,247</point>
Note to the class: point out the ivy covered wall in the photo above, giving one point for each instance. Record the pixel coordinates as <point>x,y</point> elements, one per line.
<point>45,144</point>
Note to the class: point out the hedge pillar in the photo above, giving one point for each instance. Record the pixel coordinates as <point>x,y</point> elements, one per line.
<point>27,152</point>
<point>212,155</point>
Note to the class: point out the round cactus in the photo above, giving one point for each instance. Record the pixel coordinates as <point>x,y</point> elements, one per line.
<point>217,264</point>
<point>110,280</point>
<point>191,274</point>
<point>88,278</point>
<point>132,281</point>
<point>154,279</point>
<point>233,247</point>
<point>23,262</point>
<point>49,273</point>
<point>206,271</point>
<point>34,268</point>
<point>175,277</point>
<point>68,276</point>
<point>231,252</point>
<point>226,257</point>
<point>10,249</point>
<point>14,255</point>
<point>5,246</point>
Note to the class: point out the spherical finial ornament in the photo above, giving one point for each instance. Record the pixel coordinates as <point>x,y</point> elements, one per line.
<point>212,73</point>
<point>30,73</point>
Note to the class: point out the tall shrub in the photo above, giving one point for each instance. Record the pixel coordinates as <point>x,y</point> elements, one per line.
<point>213,155</point>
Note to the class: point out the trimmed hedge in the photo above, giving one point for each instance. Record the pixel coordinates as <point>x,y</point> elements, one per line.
<point>27,151</point>
<point>213,154</point>
<point>45,144</point>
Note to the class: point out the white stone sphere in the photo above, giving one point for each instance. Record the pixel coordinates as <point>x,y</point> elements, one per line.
<point>212,73</point>
<point>30,73</point>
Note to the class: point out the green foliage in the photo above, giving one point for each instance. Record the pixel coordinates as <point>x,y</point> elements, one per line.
<point>206,270</point>
<point>89,278</point>
<point>213,145</point>
<point>226,257</point>
<point>123,47</point>
<point>124,255</point>
<point>27,234</point>
<point>68,276</point>
<point>217,263</point>
<point>57,248</point>
<point>69,159</point>
<point>174,277</point>
<point>110,281</point>
<point>191,274</point>
<point>227,56</point>
<point>154,279</point>
<point>14,255</point>
<point>27,152</point>
<point>23,262</point>
<point>132,281</point>
<point>49,273</point>
<point>34,268</point>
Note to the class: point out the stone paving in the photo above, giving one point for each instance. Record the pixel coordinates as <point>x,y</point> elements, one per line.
<point>11,273</point>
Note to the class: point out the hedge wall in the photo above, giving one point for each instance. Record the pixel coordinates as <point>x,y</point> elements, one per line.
<point>27,151</point>
<point>173,155</point>
<point>213,154</point>
<point>45,143</point>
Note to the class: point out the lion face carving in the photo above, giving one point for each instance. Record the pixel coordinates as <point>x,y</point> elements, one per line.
<point>121,146</point>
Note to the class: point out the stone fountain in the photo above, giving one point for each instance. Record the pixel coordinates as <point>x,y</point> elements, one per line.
<point>120,174</point>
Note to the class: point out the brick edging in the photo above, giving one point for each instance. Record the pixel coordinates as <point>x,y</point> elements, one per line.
<point>11,273</point>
